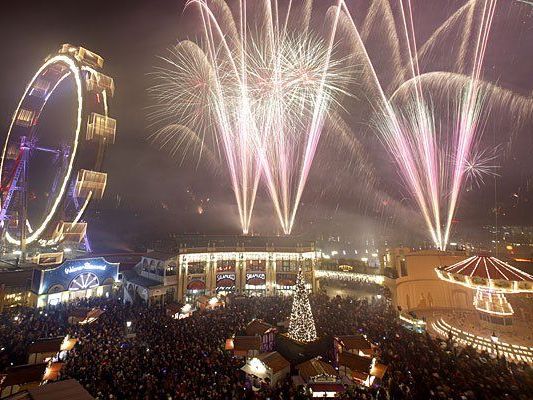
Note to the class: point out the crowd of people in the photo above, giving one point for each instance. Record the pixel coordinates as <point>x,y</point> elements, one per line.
<point>138,352</point>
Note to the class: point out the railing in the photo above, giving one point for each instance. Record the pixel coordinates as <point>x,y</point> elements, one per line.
<point>349,276</point>
<point>512,351</point>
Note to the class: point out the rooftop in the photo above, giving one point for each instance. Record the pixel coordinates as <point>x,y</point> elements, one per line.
<point>245,343</point>
<point>22,374</point>
<point>315,367</point>
<point>274,361</point>
<point>133,277</point>
<point>70,389</point>
<point>46,345</point>
<point>357,342</point>
<point>257,327</point>
<point>488,267</point>
<point>187,242</point>
<point>354,362</point>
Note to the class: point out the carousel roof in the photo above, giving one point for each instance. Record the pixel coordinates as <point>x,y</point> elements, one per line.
<point>489,268</point>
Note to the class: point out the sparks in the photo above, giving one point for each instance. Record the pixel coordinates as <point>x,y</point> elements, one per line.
<point>262,88</point>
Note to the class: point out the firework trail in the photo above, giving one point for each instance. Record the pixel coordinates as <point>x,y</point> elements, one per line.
<point>429,126</point>
<point>261,86</point>
<point>412,130</point>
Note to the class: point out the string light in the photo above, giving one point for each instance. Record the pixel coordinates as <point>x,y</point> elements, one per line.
<point>302,324</point>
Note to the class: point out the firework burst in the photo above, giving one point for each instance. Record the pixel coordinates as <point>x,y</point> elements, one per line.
<point>481,164</point>
<point>261,89</point>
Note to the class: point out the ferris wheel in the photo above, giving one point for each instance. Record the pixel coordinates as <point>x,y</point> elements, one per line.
<point>48,178</point>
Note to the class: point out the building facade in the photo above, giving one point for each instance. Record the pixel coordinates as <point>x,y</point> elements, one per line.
<point>15,288</point>
<point>417,286</point>
<point>153,280</point>
<point>242,270</point>
<point>74,279</point>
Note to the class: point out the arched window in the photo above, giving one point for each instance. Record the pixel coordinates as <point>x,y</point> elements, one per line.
<point>56,289</point>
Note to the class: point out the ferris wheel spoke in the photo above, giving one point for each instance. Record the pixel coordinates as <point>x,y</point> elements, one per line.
<point>57,221</point>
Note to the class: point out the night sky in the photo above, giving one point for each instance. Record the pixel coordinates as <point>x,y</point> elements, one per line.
<point>150,195</point>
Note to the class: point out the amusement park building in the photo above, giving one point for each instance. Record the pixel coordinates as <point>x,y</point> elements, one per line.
<point>210,265</point>
<point>252,270</point>
<point>417,286</point>
<point>153,279</point>
<point>40,286</point>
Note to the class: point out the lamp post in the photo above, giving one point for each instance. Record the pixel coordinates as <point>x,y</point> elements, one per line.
<point>129,330</point>
<point>495,339</point>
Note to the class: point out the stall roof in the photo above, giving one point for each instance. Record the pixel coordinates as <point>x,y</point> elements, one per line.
<point>22,374</point>
<point>46,345</point>
<point>274,361</point>
<point>257,327</point>
<point>70,389</point>
<point>246,343</point>
<point>327,387</point>
<point>357,342</point>
<point>355,362</point>
<point>93,315</point>
<point>315,367</point>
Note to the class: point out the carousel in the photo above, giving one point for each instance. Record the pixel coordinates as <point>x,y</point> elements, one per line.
<point>497,333</point>
<point>492,279</point>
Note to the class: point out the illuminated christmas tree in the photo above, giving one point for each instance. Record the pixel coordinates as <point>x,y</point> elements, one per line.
<point>301,325</point>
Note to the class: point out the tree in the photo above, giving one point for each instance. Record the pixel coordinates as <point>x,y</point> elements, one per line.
<point>301,325</point>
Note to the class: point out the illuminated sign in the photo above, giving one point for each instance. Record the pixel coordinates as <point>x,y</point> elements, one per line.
<point>256,276</point>
<point>64,274</point>
<point>225,276</point>
<point>225,282</point>
<point>85,267</point>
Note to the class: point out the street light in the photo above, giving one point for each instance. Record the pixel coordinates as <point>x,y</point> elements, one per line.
<point>495,339</point>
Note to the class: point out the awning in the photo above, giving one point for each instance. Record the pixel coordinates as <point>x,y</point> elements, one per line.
<point>196,285</point>
<point>226,282</point>
<point>256,281</point>
<point>378,370</point>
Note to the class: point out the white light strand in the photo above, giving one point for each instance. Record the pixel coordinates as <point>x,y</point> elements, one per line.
<point>302,324</point>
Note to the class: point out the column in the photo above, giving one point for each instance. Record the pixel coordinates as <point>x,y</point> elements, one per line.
<point>240,271</point>
<point>270,274</point>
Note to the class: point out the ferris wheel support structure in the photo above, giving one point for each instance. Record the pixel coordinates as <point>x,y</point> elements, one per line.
<point>79,178</point>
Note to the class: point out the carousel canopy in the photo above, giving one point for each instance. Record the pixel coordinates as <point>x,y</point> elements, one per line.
<point>487,272</point>
<point>488,267</point>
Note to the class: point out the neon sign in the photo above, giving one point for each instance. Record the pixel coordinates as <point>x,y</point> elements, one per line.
<point>85,267</point>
